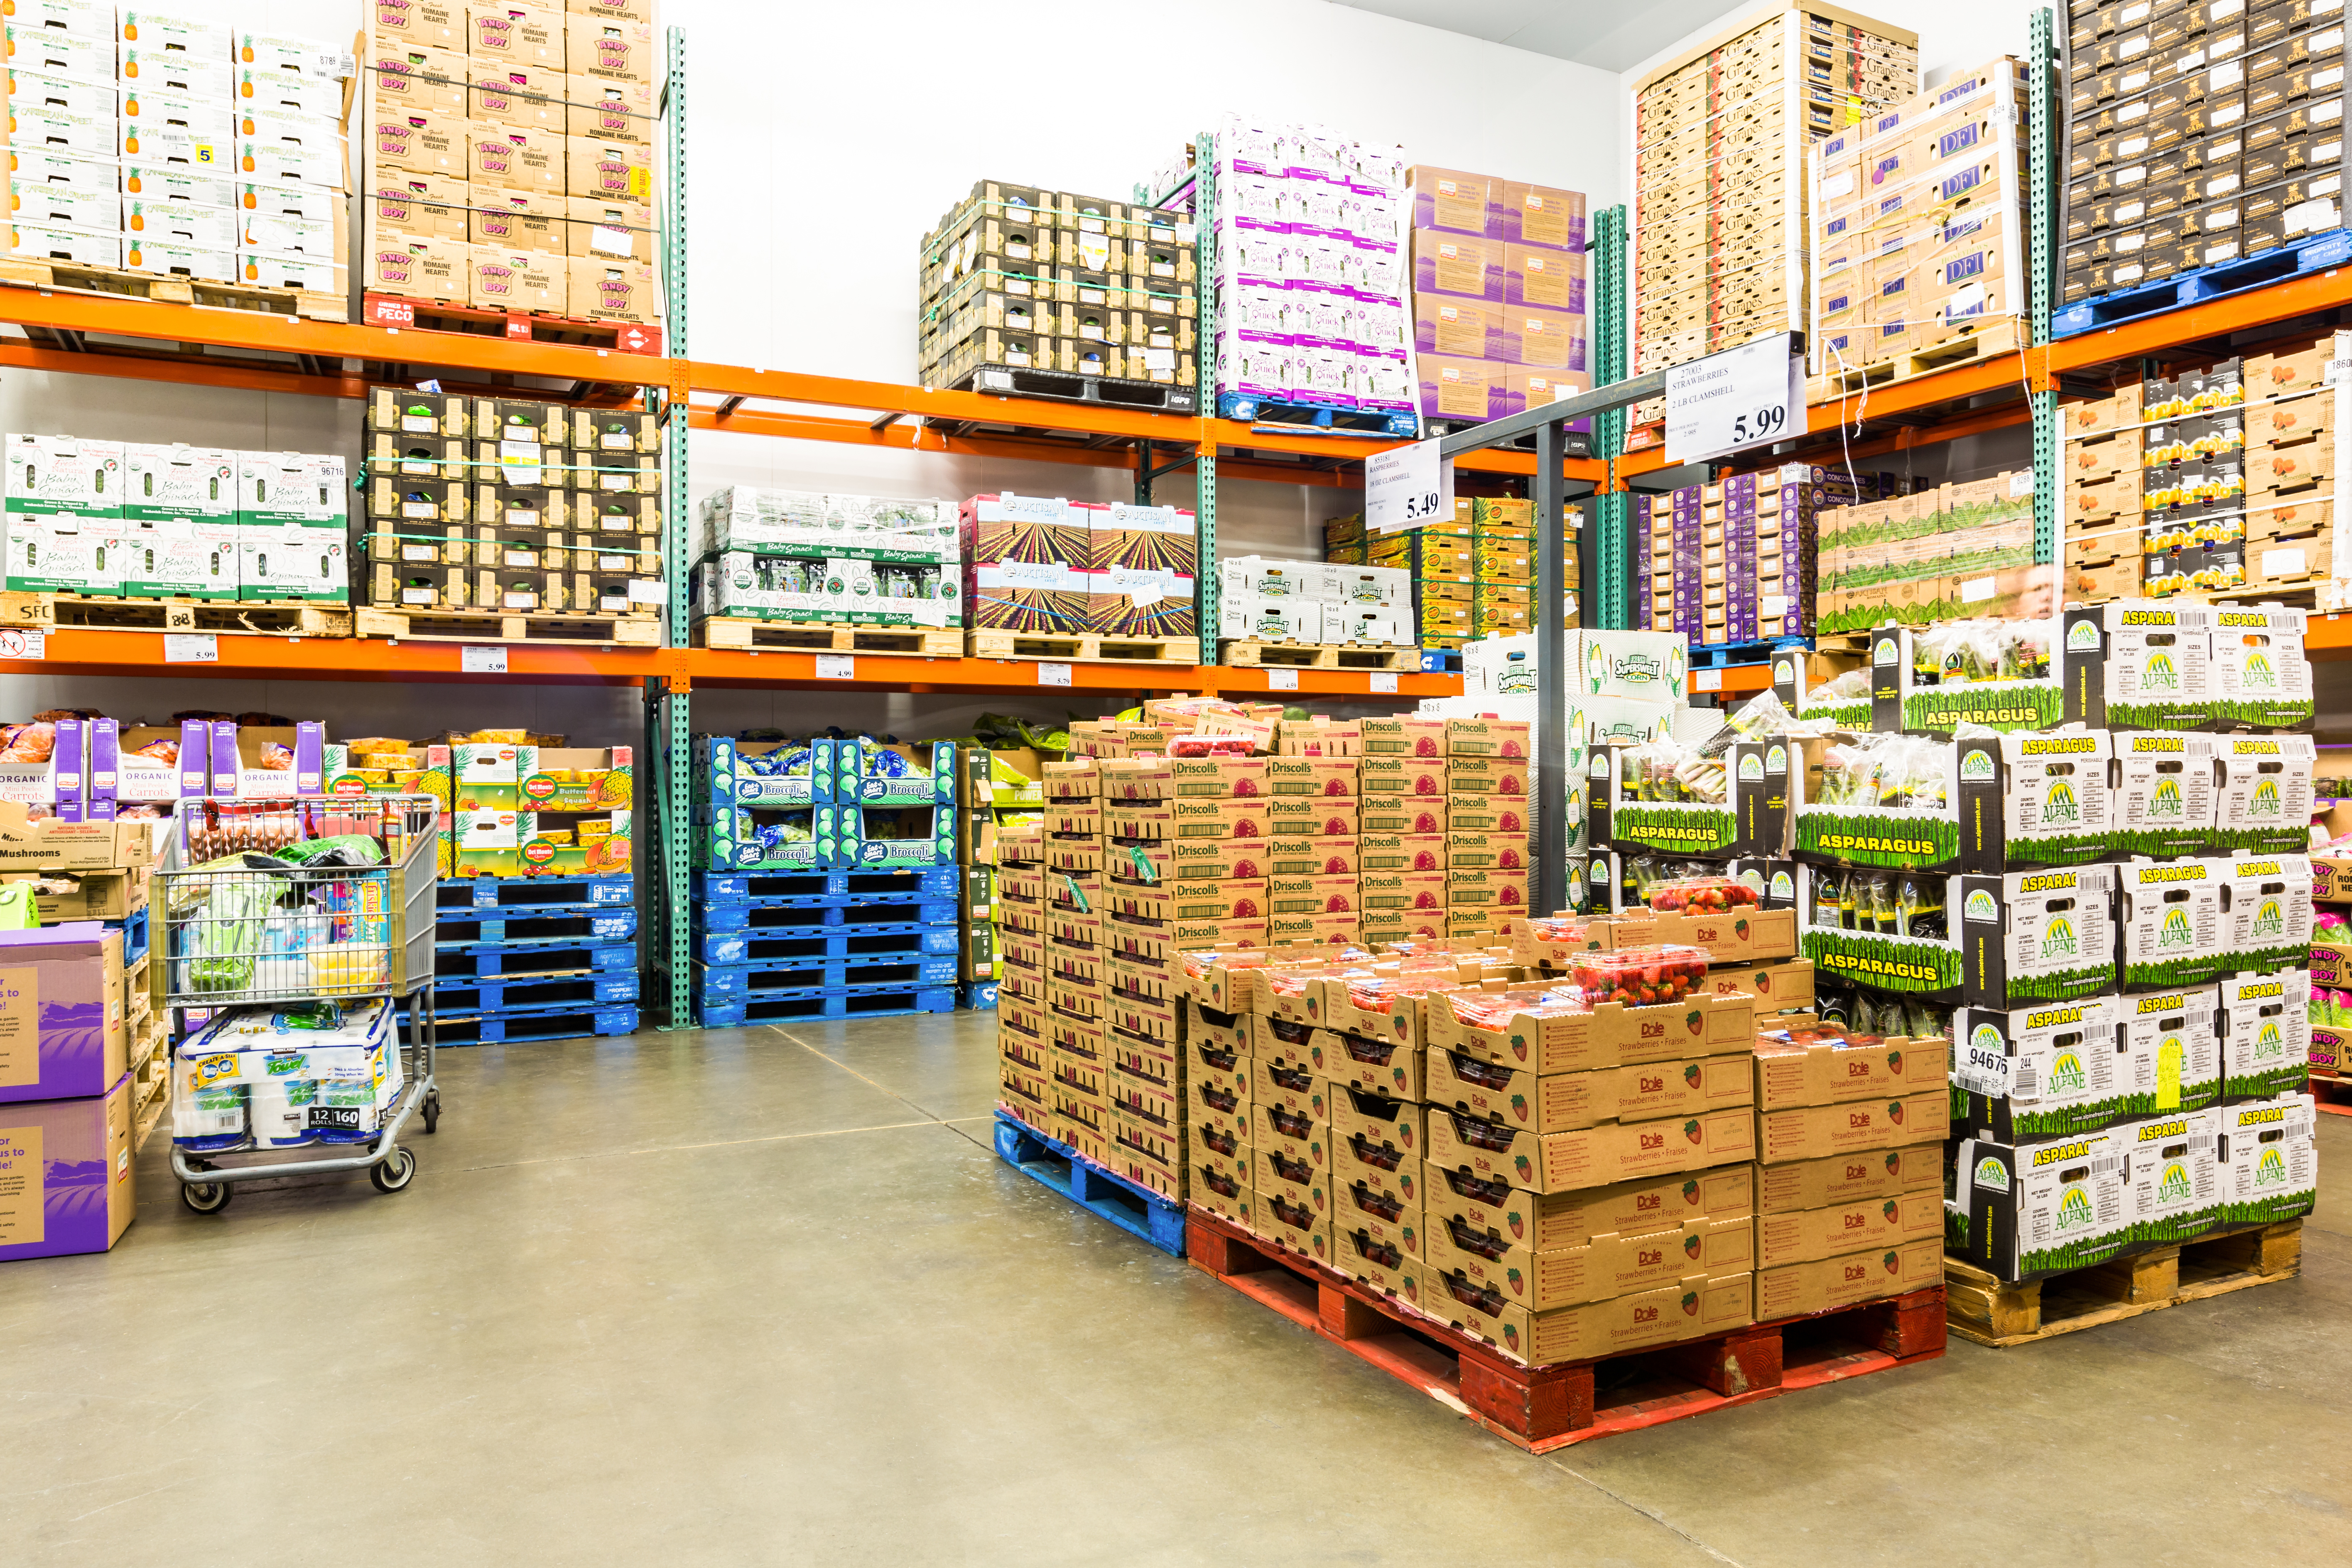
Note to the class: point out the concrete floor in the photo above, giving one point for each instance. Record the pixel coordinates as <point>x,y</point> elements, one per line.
<point>758,1296</point>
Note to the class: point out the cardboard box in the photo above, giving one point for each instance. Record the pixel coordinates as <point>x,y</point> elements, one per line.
<point>608,170</point>
<point>1378,1239</point>
<point>1608,1265</point>
<point>608,289</point>
<point>1814,1132</point>
<point>1550,1222</point>
<point>1690,1308</point>
<point>70,1037</point>
<point>1524,1103</point>
<point>517,281</point>
<point>607,48</point>
<point>597,228</point>
<point>1831,1072</point>
<point>417,80</point>
<point>1595,1156</point>
<point>69,1174</point>
<point>1610,1034</point>
<point>1798,1288</point>
<point>49,844</point>
<point>516,158</point>
<point>523,35</point>
<point>422,143</point>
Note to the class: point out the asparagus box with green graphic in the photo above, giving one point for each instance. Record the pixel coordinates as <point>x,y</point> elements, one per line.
<point>2138,664</point>
<point>1626,812</point>
<point>2164,793</point>
<point>2046,1072</point>
<point>1988,804</point>
<point>2173,1171</point>
<point>2264,792</point>
<point>2265,1033</point>
<point>2178,1032</point>
<point>2036,1207</point>
<point>2270,1159</point>
<point>2260,678</point>
<point>2021,937</point>
<point>2018,691</point>
<point>2174,919</point>
<point>2269,912</point>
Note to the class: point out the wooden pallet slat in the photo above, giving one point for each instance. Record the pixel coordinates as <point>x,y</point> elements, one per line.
<point>1542,1408</point>
<point>1990,340</point>
<point>169,288</point>
<point>1254,653</point>
<point>792,636</point>
<point>1989,1310</point>
<point>245,618</point>
<point>552,627</point>
<point>1088,648</point>
<point>460,319</point>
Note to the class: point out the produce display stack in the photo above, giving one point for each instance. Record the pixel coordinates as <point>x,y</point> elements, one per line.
<point>2328,1017</point>
<point>1499,314</point>
<point>1916,226</point>
<point>1018,278</point>
<point>1048,565</point>
<point>2216,480</point>
<point>2200,135</point>
<point>524,806</point>
<point>1441,559</point>
<point>89,1060</point>
<point>135,520</point>
<point>801,557</point>
<point>506,504</point>
<point>1742,559</point>
<point>1934,554</point>
<point>1720,144</point>
<point>1503,565</point>
<point>509,164</point>
<point>1310,279</point>
<point>1263,600</point>
<point>165,144</point>
<point>827,882</point>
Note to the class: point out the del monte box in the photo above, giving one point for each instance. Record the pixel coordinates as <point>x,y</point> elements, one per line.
<point>521,809</point>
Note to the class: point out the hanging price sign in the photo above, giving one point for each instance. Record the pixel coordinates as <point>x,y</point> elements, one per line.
<point>1405,487</point>
<point>1741,397</point>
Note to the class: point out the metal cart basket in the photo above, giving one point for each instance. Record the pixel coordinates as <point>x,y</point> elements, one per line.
<point>253,908</point>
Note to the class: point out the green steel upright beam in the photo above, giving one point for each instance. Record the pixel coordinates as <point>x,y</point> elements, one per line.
<point>2041,159</point>
<point>667,712</point>
<point>1205,473</point>
<point>1606,565</point>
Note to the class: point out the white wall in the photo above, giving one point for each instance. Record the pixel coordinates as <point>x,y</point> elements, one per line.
<point>824,141</point>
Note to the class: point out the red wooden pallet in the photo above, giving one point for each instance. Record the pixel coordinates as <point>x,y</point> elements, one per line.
<point>522,326</point>
<point>1541,1408</point>
<point>2331,1094</point>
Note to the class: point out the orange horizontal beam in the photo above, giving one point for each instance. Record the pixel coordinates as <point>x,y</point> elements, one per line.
<point>2260,307</point>
<point>2328,636</point>
<point>185,371</point>
<point>886,397</point>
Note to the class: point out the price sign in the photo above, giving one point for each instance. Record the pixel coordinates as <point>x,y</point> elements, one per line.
<point>836,666</point>
<point>1282,680</point>
<point>15,644</point>
<point>191,647</point>
<point>1052,674</point>
<point>1405,487</point>
<point>1741,397</point>
<point>1384,682</point>
<point>1707,680</point>
<point>482,660</point>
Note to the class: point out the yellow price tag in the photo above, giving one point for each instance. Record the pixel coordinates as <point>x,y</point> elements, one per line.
<point>2169,1058</point>
<point>641,182</point>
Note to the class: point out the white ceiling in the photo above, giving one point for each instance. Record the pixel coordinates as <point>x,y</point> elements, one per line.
<point>1613,37</point>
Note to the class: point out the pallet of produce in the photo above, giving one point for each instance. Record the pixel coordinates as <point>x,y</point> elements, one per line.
<point>170,289</point>
<point>552,627</point>
<point>761,636</point>
<point>56,612</point>
<point>514,326</point>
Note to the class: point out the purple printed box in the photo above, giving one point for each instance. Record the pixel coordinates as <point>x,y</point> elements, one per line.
<point>62,1027</point>
<point>1464,265</point>
<point>105,748</point>
<point>1461,388</point>
<point>1546,279</point>
<point>65,1174</point>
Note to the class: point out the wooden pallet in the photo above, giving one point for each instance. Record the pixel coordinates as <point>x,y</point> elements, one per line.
<point>1987,341</point>
<point>252,617</point>
<point>1989,1310</point>
<point>792,636</point>
<point>1088,648</point>
<point>2332,1095</point>
<point>169,288</point>
<point>555,627</point>
<point>516,326</point>
<point>1316,656</point>
<point>1540,1408</point>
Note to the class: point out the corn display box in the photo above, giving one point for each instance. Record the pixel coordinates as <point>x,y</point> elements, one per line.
<point>1721,140</point>
<point>2197,136</point>
<point>1500,317</point>
<point>509,504</point>
<point>1018,278</point>
<point>510,162</point>
<point>2216,480</point>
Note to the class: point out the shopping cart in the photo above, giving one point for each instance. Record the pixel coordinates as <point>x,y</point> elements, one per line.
<point>311,900</point>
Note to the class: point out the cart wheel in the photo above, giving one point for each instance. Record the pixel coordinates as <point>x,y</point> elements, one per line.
<point>394,1172</point>
<point>432,1111</point>
<point>205,1198</point>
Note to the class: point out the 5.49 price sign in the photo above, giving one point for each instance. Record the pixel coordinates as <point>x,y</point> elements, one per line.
<point>1405,487</point>
<point>1741,397</point>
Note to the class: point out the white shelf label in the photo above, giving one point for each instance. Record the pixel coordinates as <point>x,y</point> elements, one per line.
<point>1282,680</point>
<point>1052,674</point>
<point>1741,397</point>
<point>15,644</point>
<point>191,647</point>
<point>475,660</point>
<point>1707,681</point>
<point>836,666</point>
<point>1405,487</point>
<point>1384,681</point>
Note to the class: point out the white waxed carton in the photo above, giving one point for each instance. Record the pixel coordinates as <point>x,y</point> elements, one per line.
<point>176,145</point>
<point>169,30</point>
<point>1270,579</point>
<point>1375,625</point>
<point>29,88</point>
<point>53,51</point>
<point>164,254</point>
<point>62,131</point>
<point>1369,587</point>
<point>290,90</point>
<point>64,473</point>
<point>256,201</point>
<point>151,77</point>
<point>292,52</point>
<point>305,487</point>
<point>2174,1174</point>
<point>293,560</point>
<point>2270,1159</point>
<point>63,553</point>
<point>66,242</point>
<point>77,18</point>
<point>210,184</point>
<point>180,558</point>
<point>151,221</point>
<point>319,274</point>
<point>303,148</point>
<point>1270,619</point>
<point>55,190</point>
<point>166,481</point>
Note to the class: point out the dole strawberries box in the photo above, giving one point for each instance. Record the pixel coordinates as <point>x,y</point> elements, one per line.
<point>1605,1265</point>
<point>1777,987</point>
<point>1378,1240</point>
<point>1832,1071</point>
<point>1294,1228</point>
<point>1374,1065</point>
<point>1290,1086</point>
<point>1610,1034</point>
<point>1810,1236</point>
<point>1797,1289</point>
<point>1522,1101</point>
<point>1816,1131</point>
<point>1691,1307</point>
<point>1301,1187</point>
<point>1547,1222</point>
<point>1591,1156</point>
<point>1359,1159</point>
<point>1835,1179</point>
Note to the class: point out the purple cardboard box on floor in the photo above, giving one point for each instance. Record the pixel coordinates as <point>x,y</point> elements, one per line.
<point>61,1012</point>
<point>65,1174</point>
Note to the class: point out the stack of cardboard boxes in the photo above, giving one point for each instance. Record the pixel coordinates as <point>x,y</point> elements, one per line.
<point>1016,278</point>
<point>1721,136</point>
<point>511,153</point>
<point>1864,548</point>
<point>1263,600</point>
<point>1916,225</point>
<point>833,560</point>
<point>1053,567</point>
<point>508,504</point>
<point>2200,135</point>
<point>1736,561</point>
<point>1499,312</point>
<point>167,144</point>
<point>108,520</point>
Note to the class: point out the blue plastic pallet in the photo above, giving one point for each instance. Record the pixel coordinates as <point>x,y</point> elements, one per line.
<point>840,942</point>
<point>727,981</point>
<point>769,886</point>
<point>2331,249</point>
<point>1143,1214</point>
<point>980,995</point>
<point>1380,424</point>
<point>1441,661</point>
<point>473,928</point>
<point>826,1005</point>
<point>462,965</point>
<point>516,896</point>
<point>769,917</point>
<point>1755,651</point>
<point>537,993</point>
<point>513,1028</point>
<point>134,928</point>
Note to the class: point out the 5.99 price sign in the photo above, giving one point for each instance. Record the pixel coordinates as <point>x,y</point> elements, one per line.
<point>1405,487</point>
<point>1741,397</point>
